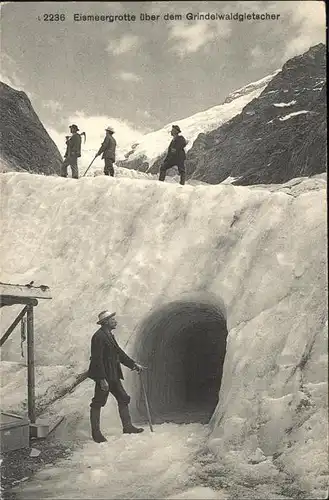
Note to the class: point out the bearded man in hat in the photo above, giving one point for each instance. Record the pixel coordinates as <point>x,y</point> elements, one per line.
<point>105,370</point>
<point>175,155</point>
<point>108,148</point>
<point>73,152</point>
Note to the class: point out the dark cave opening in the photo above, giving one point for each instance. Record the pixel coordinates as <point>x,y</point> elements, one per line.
<point>183,344</point>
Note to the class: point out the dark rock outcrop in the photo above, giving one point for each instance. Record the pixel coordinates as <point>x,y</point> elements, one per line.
<point>278,136</point>
<point>25,143</point>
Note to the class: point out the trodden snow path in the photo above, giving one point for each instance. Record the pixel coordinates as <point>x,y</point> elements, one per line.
<point>149,465</point>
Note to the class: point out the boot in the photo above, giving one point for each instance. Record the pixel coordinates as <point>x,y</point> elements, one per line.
<point>182,179</point>
<point>127,426</point>
<point>132,430</point>
<point>97,436</point>
<point>162,175</point>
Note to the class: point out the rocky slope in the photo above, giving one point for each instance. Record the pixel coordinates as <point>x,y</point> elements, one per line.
<point>269,131</point>
<point>25,143</point>
<point>278,136</point>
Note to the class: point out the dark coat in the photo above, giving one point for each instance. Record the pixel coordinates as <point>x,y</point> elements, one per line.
<point>73,146</point>
<point>106,356</point>
<point>176,151</point>
<point>108,148</point>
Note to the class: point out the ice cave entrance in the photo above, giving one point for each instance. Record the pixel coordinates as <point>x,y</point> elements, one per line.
<point>183,345</point>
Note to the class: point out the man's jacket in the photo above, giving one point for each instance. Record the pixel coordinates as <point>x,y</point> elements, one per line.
<point>73,146</point>
<point>108,148</point>
<point>106,356</point>
<point>176,151</point>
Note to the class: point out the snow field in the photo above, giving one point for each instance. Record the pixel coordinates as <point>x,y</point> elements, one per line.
<point>133,245</point>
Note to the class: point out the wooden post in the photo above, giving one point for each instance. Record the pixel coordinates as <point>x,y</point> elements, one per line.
<point>30,365</point>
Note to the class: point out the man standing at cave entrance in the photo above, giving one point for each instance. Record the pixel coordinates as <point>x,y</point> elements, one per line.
<point>73,152</point>
<point>105,370</point>
<point>108,148</point>
<point>175,155</point>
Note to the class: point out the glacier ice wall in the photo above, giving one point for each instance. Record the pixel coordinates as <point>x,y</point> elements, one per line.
<point>137,246</point>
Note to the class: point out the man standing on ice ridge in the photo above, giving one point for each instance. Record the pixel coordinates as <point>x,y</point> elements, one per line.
<point>175,155</point>
<point>73,152</point>
<point>108,149</point>
<point>105,370</point>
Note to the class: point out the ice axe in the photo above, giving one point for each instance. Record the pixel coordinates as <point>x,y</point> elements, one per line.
<point>90,165</point>
<point>146,401</point>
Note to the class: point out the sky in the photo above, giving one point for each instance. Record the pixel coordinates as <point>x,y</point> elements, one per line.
<point>138,76</point>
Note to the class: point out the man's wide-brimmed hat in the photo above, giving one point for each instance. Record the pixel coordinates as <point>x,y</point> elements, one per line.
<point>110,129</point>
<point>176,127</point>
<point>74,126</point>
<point>103,316</point>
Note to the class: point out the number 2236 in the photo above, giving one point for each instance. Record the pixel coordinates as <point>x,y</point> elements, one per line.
<point>54,17</point>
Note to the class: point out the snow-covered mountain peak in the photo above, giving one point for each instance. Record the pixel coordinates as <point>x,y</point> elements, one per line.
<point>259,84</point>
